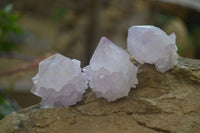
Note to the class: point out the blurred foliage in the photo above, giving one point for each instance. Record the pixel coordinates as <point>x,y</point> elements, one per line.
<point>162,19</point>
<point>59,13</point>
<point>195,37</point>
<point>6,105</point>
<point>8,29</point>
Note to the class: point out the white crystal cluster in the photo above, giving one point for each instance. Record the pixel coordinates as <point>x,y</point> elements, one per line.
<point>59,81</point>
<point>149,44</point>
<point>110,72</point>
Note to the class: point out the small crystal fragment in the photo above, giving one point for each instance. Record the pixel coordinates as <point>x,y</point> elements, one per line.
<point>149,44</point>
<point>59,81</point>
<point>110,72</point>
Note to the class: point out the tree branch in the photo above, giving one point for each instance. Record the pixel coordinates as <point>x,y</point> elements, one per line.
<point>33,65</point>
<point>17,56</point>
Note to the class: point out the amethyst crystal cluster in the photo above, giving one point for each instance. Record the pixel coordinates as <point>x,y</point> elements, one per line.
<point>149,44</point>
<point>110,74</point>
<point>59,81</point>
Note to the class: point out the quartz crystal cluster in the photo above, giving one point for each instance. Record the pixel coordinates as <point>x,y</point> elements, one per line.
<point>59,81</point>
<point>110,72</point>
<point>149,44</point>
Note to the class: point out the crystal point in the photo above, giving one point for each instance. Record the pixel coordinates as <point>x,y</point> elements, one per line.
<point>110,72</point>
<point>149,44</point>
<point>59,81</point>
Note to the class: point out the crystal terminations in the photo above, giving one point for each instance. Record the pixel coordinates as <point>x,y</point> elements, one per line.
<point>149,44</point>
<point>59,81</point>
<point>110,72</point>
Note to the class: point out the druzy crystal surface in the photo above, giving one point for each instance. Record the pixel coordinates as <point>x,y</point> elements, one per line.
<point>110,72</point>
<point>149,44</point>
<point>59,81</point>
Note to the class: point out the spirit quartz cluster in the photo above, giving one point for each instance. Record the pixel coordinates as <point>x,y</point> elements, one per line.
<point>110,72</point>
<point>149,44</point>
<point>61,82</point>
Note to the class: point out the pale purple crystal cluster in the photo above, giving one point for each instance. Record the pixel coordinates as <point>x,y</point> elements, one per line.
<point>59,81</point>
<point>149,44</point>
<point>110,74</point>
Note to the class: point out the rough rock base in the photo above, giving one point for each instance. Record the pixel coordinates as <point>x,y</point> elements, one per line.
<point>161,103</point>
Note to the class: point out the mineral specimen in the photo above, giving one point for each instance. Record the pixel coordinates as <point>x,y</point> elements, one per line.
<point>59,81</point>
<point>110,72</point>
<point>149,44</point>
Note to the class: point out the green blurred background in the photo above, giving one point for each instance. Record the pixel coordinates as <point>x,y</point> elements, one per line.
<point>34,29</point>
